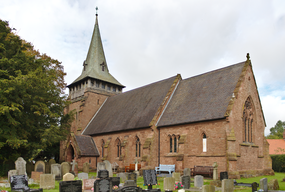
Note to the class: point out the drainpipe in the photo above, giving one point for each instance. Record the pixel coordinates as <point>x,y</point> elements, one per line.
<point>158,147</point>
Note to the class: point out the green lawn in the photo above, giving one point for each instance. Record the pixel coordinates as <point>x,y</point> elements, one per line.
<point>278,176</point>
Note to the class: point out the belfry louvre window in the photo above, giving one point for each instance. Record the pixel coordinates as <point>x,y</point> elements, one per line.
<point>248,120</point>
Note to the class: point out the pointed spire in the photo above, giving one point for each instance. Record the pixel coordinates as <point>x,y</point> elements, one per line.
<point>95,65</point>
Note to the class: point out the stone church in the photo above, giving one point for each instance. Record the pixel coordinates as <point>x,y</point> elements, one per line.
<point>213,117</point>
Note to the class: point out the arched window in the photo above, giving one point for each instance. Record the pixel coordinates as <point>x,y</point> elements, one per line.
<point>248,114</point>
<point>138,147</point>
<point>204,142</point>
<point>118,143</point>
<point>173,143</point>
<point>103,143</point>
<point>170,142</point>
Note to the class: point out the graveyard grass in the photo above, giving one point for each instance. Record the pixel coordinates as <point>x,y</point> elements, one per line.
<point>140,182</point>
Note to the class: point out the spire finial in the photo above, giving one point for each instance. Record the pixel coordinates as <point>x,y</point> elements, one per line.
<point>247,56</point>
<point>96,11</point>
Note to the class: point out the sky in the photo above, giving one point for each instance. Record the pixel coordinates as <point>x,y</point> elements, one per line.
<point>150,40</point>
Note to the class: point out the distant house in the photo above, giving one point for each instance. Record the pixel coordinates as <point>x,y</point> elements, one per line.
<point>277,146</point>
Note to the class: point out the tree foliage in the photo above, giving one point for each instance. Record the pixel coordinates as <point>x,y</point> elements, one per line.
<point>276,132</point>
<point>31,98</point>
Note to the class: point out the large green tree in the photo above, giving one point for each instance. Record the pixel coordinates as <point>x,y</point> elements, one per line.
<point>31,98</point>
<point>276,132</point>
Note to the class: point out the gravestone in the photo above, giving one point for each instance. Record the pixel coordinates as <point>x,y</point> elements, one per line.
<point>86,167</point>
<point>168,184</point>
<point>103,174</point>
<point>40,166</point>
<point>108,167</point>
<point>47,167</point>
<point>224,175</point>
<point>254,186</point>
<point>103,185</point>
<point>186,181</point>
<point>215,171</point>
<point>227,185</point>
<point>88,183</point>
<point>187,172</point>
<point>263,184</point>
<point>19,182</point>
<point>176,176</point>
<point>115,181</point>
<point>36,176</point>
<point>122,176</point>
<point>47,181</point>
<point>52,161</point>
<point>20,165</point>
<point>273,184</point>
<point>149,177</point>
<point>68,177</point>
<point>70,186</point>
<point>198,181</point>
<point>55,169</point>
<point>29,167</point>
<point>11,173</point>
<point>83,175</point>
<point>133,189</point>
<point>65,168</point>
<point>132,176</point>
<point>130,183</point>
<point>100,166</point>
<point>208,188</point>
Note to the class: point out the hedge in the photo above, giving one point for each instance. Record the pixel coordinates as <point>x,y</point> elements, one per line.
<point>278,163</point>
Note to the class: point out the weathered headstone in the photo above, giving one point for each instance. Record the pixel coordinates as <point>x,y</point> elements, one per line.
<point>115,181</point>
<point>103,174</point>
<point>186,181</point>
<point>103,185</point>
<point>55,169</point>
<point>187,172</point>
<point>40,166</point>
<point>198,181</point>
<point>68,177</point>
<point>130,183</point>
<point>82,175</point>
<point>88,184</point>
<point>227,185</point>
<point>176,176</point>
<point>11,173</point>
<point>19,182</point>
<point>86,167</point>
<point>36,176</point>
<point>149,177</point>
<point>263,184</point>
<point>168,184</point>
<point>122,176</point>
<point>20,165</point>
<point>52,161</point>
<point>273,184</point>
<point>132,176</point>
<point>215,171</point>
<point>70,186</point>
<point>224,175</point>
<point>65,168</point>
<point>254,186</point>
<point>47,181</point>
<point>108,166</point>
<point>208,188</point>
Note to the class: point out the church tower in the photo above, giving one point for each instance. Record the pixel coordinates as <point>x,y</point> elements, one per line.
<point>89,91</point>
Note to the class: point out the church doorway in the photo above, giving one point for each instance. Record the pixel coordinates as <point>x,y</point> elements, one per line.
<point>70,153</point>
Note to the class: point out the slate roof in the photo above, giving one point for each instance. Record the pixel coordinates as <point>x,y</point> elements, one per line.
<point>276,146</point>
<point>203,97</point>
<point>86,146</point>
<point>129,110</point>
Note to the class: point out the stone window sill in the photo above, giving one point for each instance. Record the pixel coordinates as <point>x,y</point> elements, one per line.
<point>249,145</point>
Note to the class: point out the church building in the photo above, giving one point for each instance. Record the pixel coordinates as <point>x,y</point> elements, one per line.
<point>213,117</point>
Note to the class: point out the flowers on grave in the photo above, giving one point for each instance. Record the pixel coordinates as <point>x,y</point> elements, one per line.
<point>115,187</point>
<point>92,189</point>
<point>178,185</point>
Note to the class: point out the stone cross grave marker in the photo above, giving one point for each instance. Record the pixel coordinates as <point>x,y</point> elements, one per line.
<point>149,177</point>
<point>88,184</point>
<point>65,168</point>
<point>20,165</point>
<point>198,181</point>
<point>187,172</point>
<point>227,185</point>
<point>40,166</point>
<point>47,181</point>
<point>208,188</point>
<point>263,184</point>
<point>224,175</point>
<point>108,166</point>
<point>186,181</point>
<point>132,176</point>
<point>11,173</point>
<point>70,186</point>
<point>19,182</point>
<point>103,185</point>
<point>68,177</point>
<point>86,167</point>
<point>82,175</point>
<point>168,184</point>
<point>55,169</point>
<point>215,171</point>
<point>103,174</point>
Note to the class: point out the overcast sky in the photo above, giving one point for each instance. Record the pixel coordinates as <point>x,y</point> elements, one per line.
<point>150,40</point>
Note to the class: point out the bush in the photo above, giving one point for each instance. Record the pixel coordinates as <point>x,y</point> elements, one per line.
<point>278,163</point>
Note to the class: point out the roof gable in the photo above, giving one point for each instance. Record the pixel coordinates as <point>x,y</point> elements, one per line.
<point>86,146</point>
